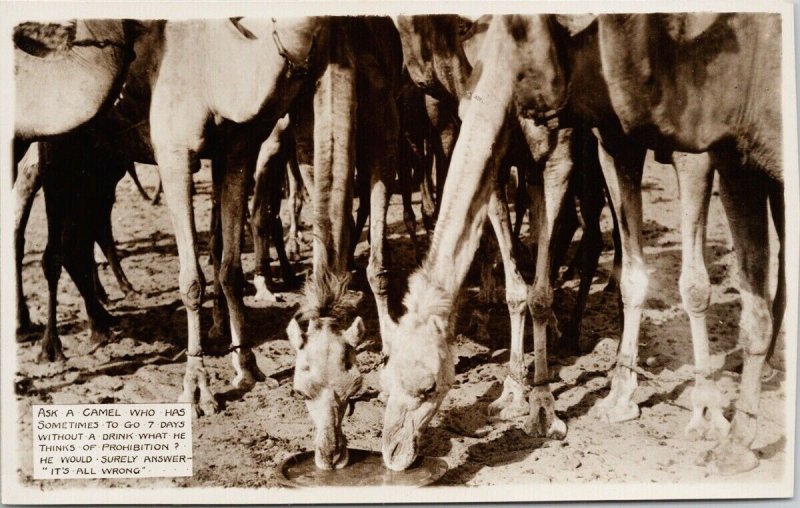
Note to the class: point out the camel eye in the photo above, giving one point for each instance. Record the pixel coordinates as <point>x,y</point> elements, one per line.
<point>385,360</point>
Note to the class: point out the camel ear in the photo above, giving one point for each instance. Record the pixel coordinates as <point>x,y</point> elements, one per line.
<point>575,23</point>
<point>686,26</point>
<point>437,325</point>
<point>296,336</point>
<point>355,333</point>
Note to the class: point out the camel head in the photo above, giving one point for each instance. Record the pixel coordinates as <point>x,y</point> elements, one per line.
<point>418,370</point>
<point>325,372</point>
<point>541,84</point>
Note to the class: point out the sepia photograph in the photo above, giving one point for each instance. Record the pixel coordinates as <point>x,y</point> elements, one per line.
<point>397,252</point>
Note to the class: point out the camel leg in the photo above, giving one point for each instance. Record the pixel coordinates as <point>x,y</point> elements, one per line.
<point>543,420</point>
<point>512,402</point>
<point>623,174</point>
<point>276,229</point>
<point>296,207</point>
<point>79,263</point>
<point>157,194</point>
<point>589,181</point>
<point>744,195</point>
<point>106,242</point>
<point>377,152</point>
<point>219,332</point>
<point>364,186</point>
<point>176,176</point>
<point>613,280</point>
<point>521,203</point>
<point>695,177</point>
<point>275,195</point>
<point>26,185</point>
<point>777,208</point>
<point>51,266</point>
<point>404,178</point>
<point>486,257</point>
<point>99,289</point>
<point>266,176</point>
<point>428,198</point>
<point>232,213</point>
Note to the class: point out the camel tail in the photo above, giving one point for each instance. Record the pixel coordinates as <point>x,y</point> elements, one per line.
<point>137,183</point>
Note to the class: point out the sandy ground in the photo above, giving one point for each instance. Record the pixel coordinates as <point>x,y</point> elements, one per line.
<point>242,445</point>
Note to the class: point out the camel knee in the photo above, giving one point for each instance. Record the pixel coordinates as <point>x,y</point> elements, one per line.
<point>540,302</point>
<point>52,262</point>
<point>695,290</point>
<point>191,289</point>
<point>377,277</point>
<point>633,286</point>
<point>516,292</point>
<point>229,277</point>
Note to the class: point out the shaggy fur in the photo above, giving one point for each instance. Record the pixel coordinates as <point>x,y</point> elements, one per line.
<point>324,296</point>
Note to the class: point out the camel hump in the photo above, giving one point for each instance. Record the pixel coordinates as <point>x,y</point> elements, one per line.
<point>40,39</point>
<point>44,39</point>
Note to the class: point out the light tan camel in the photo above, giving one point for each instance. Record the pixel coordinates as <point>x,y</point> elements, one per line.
<point>65,74</point>
<point>420,368</point>
<point>368,73</point>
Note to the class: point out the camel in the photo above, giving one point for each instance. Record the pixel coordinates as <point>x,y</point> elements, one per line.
<point>418,374</point>
<point>79,187</point>
<point>737,133</point>
<point>551,155</point>
<point>26,184</point>
<point>65,74</point>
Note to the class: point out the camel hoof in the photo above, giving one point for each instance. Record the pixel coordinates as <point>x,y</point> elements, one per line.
<point>511,403</point>
<point>263,294</point>
<point>208,407</point>
<point>615,410</point>
<point>543,421</point>
<point>51,354</point>
<point>247,371</point>
<point>100,337</point>
<point>707,421</point>
<point>129,292</point>
<point>243,381</point>
<point>28,332</point>
<point>708,424</point>
<point>204,405</point>
<point>729,457</point>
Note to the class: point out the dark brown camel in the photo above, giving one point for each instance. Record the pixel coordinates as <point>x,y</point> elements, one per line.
<point>27,183</point>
